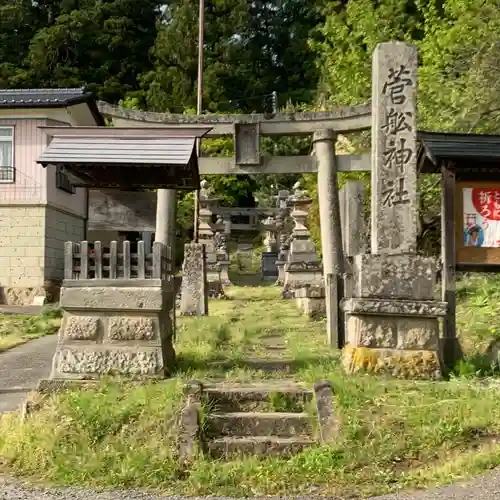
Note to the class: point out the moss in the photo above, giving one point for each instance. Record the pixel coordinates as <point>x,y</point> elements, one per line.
<point>398,363</point>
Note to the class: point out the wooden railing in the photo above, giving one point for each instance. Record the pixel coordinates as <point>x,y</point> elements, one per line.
<point>90,260</point>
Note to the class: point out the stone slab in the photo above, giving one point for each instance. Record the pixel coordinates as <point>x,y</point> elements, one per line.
<point>394,307</point>
<point>402,276</point>
<point>94,360</point>
<point>395,362</point>
<point>409,333</point>
<point>118,298</point>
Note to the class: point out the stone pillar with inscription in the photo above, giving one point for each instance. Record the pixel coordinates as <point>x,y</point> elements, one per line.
<point>303,267</point>
<point>392,315</point>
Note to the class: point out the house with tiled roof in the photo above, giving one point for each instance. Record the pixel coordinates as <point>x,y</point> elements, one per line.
<point>39,207</point>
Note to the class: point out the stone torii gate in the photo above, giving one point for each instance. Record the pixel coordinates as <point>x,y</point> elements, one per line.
<point>392,315</point>
<point>246,131</point>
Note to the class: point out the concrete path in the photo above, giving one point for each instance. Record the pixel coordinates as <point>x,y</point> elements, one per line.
<point>22,367</point>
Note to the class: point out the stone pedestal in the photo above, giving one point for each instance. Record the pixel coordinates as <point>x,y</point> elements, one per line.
<point>114,327</point>
<point>311,301</point>
<point>392,321</point>
<point>194,288</point>
<point>268,266</point>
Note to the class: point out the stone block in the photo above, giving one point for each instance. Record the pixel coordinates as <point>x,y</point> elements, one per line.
<point>189,432</point>
<point>393,332</point>
<point>327,419</point>
<point>418,333</point>
<point>394,276</point>
<point>131,328</point>
<point>372,331</point>
<point>313,308</point>
<point>268,266</point>
<point>397,307</point>
<point>313,291</point>
<point>395,362</point>
<point>113,297</point>
<point>194,288</point>
<point>93,361</point>
<point>81,327</point>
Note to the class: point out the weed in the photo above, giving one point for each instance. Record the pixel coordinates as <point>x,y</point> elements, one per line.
<point>393,433</point>
<point>18,329</point>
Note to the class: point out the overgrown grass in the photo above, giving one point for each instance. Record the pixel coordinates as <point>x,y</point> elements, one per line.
<point>394,434</point>
<point>18,329</point>
<point>478,323</point>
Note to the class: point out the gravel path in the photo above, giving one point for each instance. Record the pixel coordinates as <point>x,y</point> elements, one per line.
<point>484,488</point>
<point>22,367</point>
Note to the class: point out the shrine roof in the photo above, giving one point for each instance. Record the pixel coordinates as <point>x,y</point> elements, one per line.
<point>464,152</point>
<point>125,158</point>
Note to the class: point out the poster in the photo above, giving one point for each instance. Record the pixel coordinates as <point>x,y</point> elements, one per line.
<point>482,217</point>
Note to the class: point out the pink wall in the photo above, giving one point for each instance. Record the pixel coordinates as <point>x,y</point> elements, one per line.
<point>74,203</point>
<point>30,184</point>
<point>34,184</point>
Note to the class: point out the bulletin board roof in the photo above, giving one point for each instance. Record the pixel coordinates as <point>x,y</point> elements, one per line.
<point>466,154</point>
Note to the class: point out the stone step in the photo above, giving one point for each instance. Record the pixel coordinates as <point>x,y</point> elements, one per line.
<point>278,424</point>
<point>261,446</point>
<point>257,398</point>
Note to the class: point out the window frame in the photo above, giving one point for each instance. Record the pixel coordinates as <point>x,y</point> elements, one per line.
<point>12,180</point>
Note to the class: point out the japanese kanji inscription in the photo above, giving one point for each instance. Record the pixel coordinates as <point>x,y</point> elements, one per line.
<point>394,175</point>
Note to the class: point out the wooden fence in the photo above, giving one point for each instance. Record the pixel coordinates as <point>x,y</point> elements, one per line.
<point>89,260</point>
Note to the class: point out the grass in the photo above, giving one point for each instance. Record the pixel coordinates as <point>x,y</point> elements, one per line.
<point>394,434</point>
<point>478,323</point>
<point>19,329</point>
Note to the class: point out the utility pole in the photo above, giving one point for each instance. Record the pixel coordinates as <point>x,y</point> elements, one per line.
<point>199,105</point>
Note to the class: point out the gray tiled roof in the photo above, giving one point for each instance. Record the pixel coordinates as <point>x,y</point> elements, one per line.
<point>42,97</point>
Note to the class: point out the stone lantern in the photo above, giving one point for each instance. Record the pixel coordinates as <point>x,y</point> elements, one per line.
<point>206,235</point>
<point>303,267</point>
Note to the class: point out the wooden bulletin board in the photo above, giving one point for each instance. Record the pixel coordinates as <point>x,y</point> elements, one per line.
<point>477,215</point>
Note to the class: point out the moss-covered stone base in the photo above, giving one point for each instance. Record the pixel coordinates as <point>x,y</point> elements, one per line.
<point>396,362</point>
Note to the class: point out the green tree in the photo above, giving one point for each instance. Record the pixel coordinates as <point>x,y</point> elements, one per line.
<point>459,84</point>
<point>250,50</point>
<point>103,44</point>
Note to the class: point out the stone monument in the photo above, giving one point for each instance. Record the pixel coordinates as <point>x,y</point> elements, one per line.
<point>194,286</point>
<point>206,235</point>
<point>303,267</point>
<point>392,316</point>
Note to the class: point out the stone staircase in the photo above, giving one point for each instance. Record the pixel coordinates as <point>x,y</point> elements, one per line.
<point>258,419</point>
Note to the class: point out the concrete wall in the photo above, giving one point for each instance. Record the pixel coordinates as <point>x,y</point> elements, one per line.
<point>105,237</point>
<point>74,203</point>
<point>59,227</point>
<point>37,218</point>
<point>22,241</point>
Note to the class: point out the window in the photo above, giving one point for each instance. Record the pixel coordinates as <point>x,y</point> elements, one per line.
<point>63,182</point>
<point>6,154</point>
